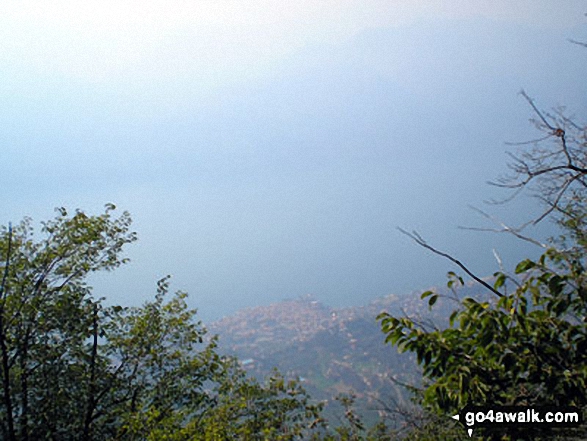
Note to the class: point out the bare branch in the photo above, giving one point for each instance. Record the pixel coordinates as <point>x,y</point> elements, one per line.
<point>420,241</point>
<point>560,194</point>
<point>550,171</point>
<point>531,102</point>
<point>532,141</point>
<point>580,43</point>
<point>504,228</point>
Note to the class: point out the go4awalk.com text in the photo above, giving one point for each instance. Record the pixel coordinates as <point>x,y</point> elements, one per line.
<point>518,417</point>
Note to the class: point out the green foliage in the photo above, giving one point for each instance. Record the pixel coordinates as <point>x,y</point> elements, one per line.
<point>72,368</point>
<point>527,344</point>
<point>48,318</point>
<point>351,428</point>
<point>245,409</point>
<point>525,348</point>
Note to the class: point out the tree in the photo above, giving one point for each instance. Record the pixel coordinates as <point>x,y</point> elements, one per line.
<point>73,368</point>
<point>526,343</point>
<point>48,320</point>
<point>246,409</point>
<point>554,173</point>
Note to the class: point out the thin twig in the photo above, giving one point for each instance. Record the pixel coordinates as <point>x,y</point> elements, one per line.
<point>504,228</point>
<point>531,102</point>
<point>580,43</point>
<point>420,241</point>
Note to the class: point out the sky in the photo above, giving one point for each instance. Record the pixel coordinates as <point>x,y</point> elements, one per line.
<point>268,150</point>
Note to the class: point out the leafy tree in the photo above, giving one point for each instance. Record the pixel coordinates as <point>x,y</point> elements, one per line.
<point>72,368</point>
<point>526,342</point>
<point>159,366</point>
<point>47,321</point>
<point>245,409</point>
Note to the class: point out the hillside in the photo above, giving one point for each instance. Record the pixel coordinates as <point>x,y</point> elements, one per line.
<point>331,350</point>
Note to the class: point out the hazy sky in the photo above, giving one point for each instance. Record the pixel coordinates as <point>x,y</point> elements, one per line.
<point>269,149</point>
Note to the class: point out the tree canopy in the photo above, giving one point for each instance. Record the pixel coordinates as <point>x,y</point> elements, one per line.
<point>73,368</point>
<point>525,341</point>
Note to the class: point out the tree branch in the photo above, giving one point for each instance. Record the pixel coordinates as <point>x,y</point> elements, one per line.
<point>3,348</point>
<point>504,228</point>
<point>420,241</point>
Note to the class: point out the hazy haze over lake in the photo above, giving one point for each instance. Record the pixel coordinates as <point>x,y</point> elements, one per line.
<point>268,150</point>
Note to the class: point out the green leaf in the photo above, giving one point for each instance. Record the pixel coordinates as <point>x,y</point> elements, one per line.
<point>426,294</point>
<point>500,280</point>
<point>524,266</point>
